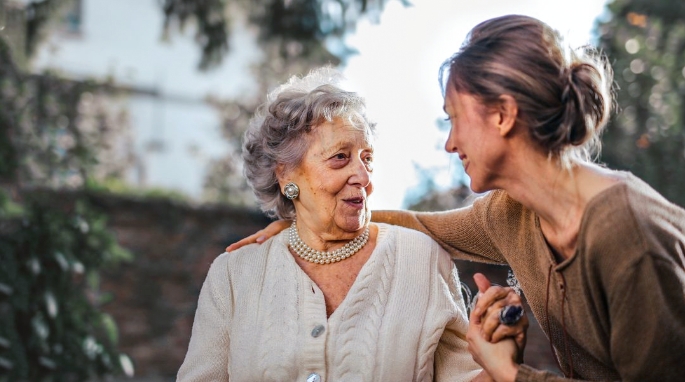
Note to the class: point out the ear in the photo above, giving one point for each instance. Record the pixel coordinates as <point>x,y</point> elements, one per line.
<point>507,113</point>
<point>280,174</point>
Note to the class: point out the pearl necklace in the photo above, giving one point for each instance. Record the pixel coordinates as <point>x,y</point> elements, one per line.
<point>312,255</point>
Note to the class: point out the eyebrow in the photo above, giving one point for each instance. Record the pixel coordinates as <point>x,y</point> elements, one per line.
<point>341,145</point>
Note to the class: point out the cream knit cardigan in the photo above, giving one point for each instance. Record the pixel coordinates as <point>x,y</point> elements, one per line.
<point>261,318</point>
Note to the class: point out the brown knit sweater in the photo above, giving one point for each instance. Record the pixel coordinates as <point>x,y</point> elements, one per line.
<point>615,310</point>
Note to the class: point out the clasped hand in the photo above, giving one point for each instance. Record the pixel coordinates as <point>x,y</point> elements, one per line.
<point>497,347</point>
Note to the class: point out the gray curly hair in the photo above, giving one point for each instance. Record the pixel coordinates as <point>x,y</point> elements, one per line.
<point>277,132</point>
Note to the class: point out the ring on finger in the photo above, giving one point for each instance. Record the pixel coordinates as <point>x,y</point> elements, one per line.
<point>510,314</point>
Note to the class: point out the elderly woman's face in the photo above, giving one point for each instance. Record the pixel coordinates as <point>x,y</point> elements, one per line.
<point>335,179</point>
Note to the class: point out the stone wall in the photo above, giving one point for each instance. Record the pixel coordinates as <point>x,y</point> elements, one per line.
<point>154,297</point>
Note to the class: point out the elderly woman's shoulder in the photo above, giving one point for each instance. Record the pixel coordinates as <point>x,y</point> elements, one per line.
<point>251,253</point>
<point>415,248</point>
<point>405,235</point>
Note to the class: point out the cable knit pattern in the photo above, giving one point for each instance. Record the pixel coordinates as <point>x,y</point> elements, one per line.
<point>397,315</point>
<point>281,325</point>
<point>362,317</point>
<point>426,352</point>
<point>427,355</point>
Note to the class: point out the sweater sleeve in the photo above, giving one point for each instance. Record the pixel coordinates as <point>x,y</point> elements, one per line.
<point>528,374</point>
<point>207,357</point>
<point>453,362</point>
<point>464,232</point>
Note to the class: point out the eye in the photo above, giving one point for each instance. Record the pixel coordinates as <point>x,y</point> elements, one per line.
<point>339,160</point>
<point>368,162</point>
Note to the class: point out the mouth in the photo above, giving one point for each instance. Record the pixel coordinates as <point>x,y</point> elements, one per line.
<point>357,201</point>
<point>463,160</point>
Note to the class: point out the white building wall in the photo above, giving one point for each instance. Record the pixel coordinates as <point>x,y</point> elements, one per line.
<point>175,131</point>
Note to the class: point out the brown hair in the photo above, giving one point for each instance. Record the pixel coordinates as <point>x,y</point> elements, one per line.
<point>564,96</point>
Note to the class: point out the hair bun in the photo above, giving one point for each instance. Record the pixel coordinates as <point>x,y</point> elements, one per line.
<point>584,107</point>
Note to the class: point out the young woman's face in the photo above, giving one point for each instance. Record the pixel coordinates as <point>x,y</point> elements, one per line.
<point>335,180</point>
<point>474,137</point>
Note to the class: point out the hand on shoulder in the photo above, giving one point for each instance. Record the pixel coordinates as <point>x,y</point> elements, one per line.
<point>261,236</point>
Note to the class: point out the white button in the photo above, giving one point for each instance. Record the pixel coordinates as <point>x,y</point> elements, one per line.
<point>313,377</point>
<point>318,329</point>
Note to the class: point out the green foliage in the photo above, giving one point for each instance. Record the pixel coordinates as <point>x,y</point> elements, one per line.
<point>645,41</point>
<point>312,21</point>
<point>295,27</point>
<point>39,14</point>
<point>51,250</point>
<point>8,208</point>
<point>40,141</point>
<point>212,26</point>
<point>8,120</point>
<point>117,186</point>
<point>51,326</point>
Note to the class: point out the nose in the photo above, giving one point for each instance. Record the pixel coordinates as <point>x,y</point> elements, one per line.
<point>361,173</point>
<point>451,144</point>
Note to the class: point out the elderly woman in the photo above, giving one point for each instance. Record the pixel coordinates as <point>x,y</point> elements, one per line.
<point>334,297</point>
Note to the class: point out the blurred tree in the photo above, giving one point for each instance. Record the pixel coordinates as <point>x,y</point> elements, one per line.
<point>645,41</point>
<point>298,27</point>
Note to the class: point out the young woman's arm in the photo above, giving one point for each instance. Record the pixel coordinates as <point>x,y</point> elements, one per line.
<point>464,233</point>
<point>260,236</point>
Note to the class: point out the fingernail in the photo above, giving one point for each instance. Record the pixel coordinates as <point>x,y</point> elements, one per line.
<point>261,239</point>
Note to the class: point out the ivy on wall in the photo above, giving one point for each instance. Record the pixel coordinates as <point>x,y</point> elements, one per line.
<point>51,252</point>
<point>51,327</point>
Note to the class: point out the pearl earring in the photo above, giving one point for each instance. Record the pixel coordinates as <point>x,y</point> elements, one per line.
<point>291,191</point>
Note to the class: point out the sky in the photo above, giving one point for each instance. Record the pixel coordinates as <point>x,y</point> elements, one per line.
<point>396,69</point>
